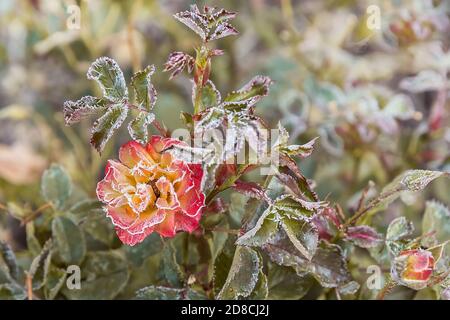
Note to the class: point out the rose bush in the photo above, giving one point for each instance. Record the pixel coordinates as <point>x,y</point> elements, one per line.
<point>149,190</point>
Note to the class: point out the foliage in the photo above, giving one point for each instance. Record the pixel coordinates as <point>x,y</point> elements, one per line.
<point>361,151</point>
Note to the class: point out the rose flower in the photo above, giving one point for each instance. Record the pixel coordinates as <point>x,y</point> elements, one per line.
<point>413,268</point>
<point>149,190</point>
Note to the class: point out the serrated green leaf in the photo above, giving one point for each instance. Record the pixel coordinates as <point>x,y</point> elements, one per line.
<point>399,229</point>
<point>261,290</point>
<point>251,92</point>
<point>410,180</point>
<point>75,111</point>
<point>105,126</point>
<point>303,235</point>
<point>165,293</point>
<point>266,227</point>
<point>285,284</point>
<point>56,186</point>
<point>138,127</point>
<point>171,269</point>
<point>104,275</point>
<point>69,240</point>
<point>328,266</point>
<point>436,220</point>
<point>210,96</point>
<point>222,265</point>
<point>145,92</point>
<point>110,78</point>
<point>243,274</point>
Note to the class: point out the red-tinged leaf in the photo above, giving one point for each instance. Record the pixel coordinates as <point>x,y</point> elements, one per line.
<point>363,236</point>
<point>75,111</point>
<point>327,223</point>
<point>303,183</point>
<point>251,189</point>
<point>218,205</point>
<point>177,61</point>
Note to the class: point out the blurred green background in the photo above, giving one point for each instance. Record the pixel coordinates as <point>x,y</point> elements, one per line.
<point>372,83</point>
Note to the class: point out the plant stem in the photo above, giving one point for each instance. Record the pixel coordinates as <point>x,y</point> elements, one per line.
<point>371,205</point>
<point>390,284</point>
<point>228,183</point>
<point>35,213</point>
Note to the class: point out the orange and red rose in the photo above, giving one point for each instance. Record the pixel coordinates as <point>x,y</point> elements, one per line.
<point>149,190</point>
<point>414,268</point>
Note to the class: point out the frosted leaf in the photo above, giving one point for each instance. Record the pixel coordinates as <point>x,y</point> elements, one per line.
<point>40,265</point>
<point>303,235</point>
<point>177,61</point>
<point>105,126</point>
<point>288,217</point>
<point>410,180</point>
<point>223,30</point>
<point>145,92</point>
<point>170,267</point>
<point>209,177</point>
<point>196,21</point>
<point>138,128</point>
<point>416,180</point>
<point>243,275</point>
<point>106,72</point>
<point>436,219</point>
<point>265,229</point>
<point>210,96</point>
<point>285,284</point>
<point>75,111</point>
<point>10,259</point>
<point>363,236</point>
<point>399,229</point>
<point>166,293</point>
<point>212,119</point>
<point>56,186</point>
<point>349,288</point>
<point>328,266</point>
<point>69,240</point>
<point>210,24</point>
<point>189,154</point>
<point>296,207</point>
<point>251,92</point>
<point>301,151</point>
<point>251,189</point>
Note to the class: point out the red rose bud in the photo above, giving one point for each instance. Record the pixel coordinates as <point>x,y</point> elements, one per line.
<point>413,268</point>
<point>149,190</point>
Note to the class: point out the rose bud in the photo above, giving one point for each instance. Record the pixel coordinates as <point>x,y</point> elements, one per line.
<point>149,190</point>
<point>413,268</point>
